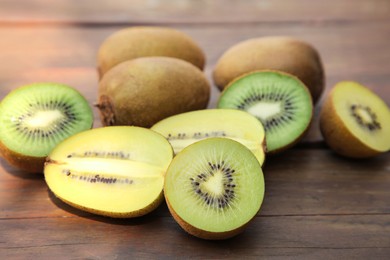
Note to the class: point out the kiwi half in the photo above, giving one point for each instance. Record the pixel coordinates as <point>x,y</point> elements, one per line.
<point>281,53</point>
<point>35,118</point>
<point>279,100</point>
<point>112,171</point>
<point>146,41</point>
<point>214,188</point>
<point>355,122</point>
<point>186,128</point>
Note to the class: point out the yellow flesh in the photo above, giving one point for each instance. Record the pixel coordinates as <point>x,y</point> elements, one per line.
<point>197,125</point>
<point>349,94</point>
<point>115,169</point>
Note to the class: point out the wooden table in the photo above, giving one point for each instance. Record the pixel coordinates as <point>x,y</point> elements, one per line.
<point>317,204</point>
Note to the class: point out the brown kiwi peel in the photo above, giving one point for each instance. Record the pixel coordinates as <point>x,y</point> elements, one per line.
<point>143,91</point>
<point>23,162</point>
<point>146,41</point>
<point>138,213</point>
<point>282,53</point>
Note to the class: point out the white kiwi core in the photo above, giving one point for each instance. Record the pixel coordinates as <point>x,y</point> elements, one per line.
<point>265,110</point>
<point>44,118</point>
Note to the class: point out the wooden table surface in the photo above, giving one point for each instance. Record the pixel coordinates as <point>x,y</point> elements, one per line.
<point>317,205</point>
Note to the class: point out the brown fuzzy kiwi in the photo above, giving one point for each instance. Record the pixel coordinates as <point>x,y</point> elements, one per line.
<point>273,53</point>
<point>145,41</point>
<point>355,122</point>
<point>146,90</point>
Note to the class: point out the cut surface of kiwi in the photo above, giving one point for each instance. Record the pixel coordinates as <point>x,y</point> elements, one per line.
<point>186,128</point>
<point>354,121</point>
<point>214,188</point>
<point>279,100</point>
<point>36,117</point>
<point>111,171</point>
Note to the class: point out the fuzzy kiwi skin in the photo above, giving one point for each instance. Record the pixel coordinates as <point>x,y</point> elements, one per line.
<point>275,53</point>
<point>145,90</point>
<point>338,137</point>
<point>142,41</point>
<point>27,163</point>
<point>202,233</point>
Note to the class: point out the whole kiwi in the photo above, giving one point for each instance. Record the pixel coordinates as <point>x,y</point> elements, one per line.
<point>146,41</point>
<point>276,53</point>
<point>145,90</point>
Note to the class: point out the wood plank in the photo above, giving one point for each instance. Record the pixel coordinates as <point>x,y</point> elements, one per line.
<point>187,11</point>
<point>69,55</point>
<point>299,182</point>
<point>156,237</point>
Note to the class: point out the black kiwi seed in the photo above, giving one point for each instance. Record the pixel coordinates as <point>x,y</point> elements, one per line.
<point>221,200</point>
<point>272,122</point>
<point>96,178</point>
<point>371,126</point>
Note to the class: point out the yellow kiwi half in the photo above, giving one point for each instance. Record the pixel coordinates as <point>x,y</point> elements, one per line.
<point>355,122</point>
<point>184,129</point>
<point>112,171</point>
<point>146,90</point>
<point>144,41</point>
<point>280,53</point>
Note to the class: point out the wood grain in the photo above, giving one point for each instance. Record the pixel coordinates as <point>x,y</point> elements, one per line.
<point>161,237</point>
<point>307,182</point>
<point>68,55</point>
<point>102,12</point>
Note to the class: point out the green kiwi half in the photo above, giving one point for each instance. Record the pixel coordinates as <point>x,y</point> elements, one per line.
<point>279,100</point>
<point>214,188</point>
<point>35,118</point>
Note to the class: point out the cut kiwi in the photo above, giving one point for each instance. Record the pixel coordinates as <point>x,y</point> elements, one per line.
<point>36,117</point>
<point>112,171</point>
<point>355,122</point>
<point>186,128</point>
<point>279,100</point>
<point>214,188</point>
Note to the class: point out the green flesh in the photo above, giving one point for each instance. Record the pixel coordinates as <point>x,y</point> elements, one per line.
<point>36,117</point>
<point>281,102</point>
<point>227,172</point>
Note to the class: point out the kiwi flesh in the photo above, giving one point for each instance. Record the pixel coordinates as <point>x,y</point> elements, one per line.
<point>186,128</point>
<point>214,188</point>
<point>143,91</point>
<point>279,100</point>
<point>282,53</point>
<point>34,118</point>
<point>145,41</point>
<point>112,171</point>
<point>355,122</point>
